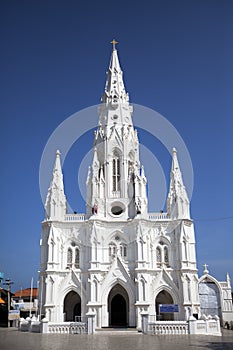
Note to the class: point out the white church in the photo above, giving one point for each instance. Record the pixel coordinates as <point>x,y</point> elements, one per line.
<point>118,260</point>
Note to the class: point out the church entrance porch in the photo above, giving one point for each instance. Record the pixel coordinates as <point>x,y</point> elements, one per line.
<point>118,307</point>
<point>163,298</point>
<point>72,307</point>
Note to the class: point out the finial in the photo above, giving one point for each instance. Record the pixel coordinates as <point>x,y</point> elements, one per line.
<point>58,153</point>
<point>174,150</point>
<point>205,269</point>
<point>114,42</point>
<point>228,280</point>
<point>143,171</point>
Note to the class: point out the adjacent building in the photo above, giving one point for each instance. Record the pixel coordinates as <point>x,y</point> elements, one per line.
<point>26,300</point>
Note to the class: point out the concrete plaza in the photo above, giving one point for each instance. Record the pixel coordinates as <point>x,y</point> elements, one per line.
<point>12,339</point>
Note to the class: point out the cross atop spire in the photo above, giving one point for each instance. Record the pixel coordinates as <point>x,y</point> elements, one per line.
<point>114,43</point>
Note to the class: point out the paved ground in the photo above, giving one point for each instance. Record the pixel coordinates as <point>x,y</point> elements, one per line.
<point>12,339</point>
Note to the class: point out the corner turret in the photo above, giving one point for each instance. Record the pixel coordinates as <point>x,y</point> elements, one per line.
<point>178,206</point>
<point>55,204</point>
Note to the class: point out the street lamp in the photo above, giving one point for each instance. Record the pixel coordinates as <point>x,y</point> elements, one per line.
<point>8,282</point>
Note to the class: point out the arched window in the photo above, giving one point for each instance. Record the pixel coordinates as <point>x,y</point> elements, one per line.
<point>69,258</point>
<point>52,250</point>
<point>112,250</point>
<point>95,291</point>
<point>166,258</point>
<point>116,172</point>
<point>51,289</point>
<point>162,255</point>
<point>76,264</point>
<point>143,290</point>
<point>185,249</point>
<point>123,250</point>
<point>188,288</point>
<point>158,257</point>
<point>130,167</point>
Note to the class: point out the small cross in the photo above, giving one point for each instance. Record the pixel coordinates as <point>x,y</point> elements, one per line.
<point>205,268</point>
<point>114,42</point>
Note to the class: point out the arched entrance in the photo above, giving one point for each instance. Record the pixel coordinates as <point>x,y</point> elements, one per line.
<point>163,298</point>
<point>72,307</point>
<point>118,307</point>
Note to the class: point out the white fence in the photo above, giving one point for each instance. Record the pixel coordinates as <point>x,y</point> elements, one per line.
<point>36,326</point>
<point>68,328</point>
<point>168,327</point>
<point>206,326</point>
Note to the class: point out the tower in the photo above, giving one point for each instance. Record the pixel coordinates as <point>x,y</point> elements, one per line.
<point>116,186</point>
<point>117,260</point>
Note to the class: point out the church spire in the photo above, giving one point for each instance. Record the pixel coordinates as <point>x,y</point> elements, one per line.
<point>114,92</point>
<point>117,188</point>
<point>177,201</point>
<point>55,204</point>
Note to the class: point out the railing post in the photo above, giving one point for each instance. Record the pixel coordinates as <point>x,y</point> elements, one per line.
<point>90,322</point>
<point>44,326</point>
<point>192,325</point>
<point>145,317</point>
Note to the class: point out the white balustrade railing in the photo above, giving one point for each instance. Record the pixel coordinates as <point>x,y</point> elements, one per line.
<point>75,217</point>
<point>67,328</point>
<point>168,327</point>
<point>158,216</point>
<point>207,325</point>
<point>82,217</point>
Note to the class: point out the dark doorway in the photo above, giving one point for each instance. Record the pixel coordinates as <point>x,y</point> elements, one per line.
<point>118,305</point>
<point>164,298</point>
<point>72,307</point>
<point>118,311</point>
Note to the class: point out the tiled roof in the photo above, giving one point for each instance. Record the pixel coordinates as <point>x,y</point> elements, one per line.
<point>26,293</point>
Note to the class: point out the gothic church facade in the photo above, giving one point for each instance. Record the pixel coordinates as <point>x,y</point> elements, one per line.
<point>117,259</point>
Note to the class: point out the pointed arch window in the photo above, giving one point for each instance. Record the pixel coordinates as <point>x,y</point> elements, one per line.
<point>95,291</point>
<point>52,250</point>
<point>166,257</point>
<point>158,256</point>
<point>69,258</point>
<point>188,282</point>
<point>51,289</point>
<point>112,250</point>
<point>143,289</point>
<point>162,255</point>
<point>116,172</point>
<point>77,257</point>
<point>123,250</point>
<point>185,243</point>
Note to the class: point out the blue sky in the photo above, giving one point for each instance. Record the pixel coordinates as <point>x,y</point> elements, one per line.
<point>177,59</point>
